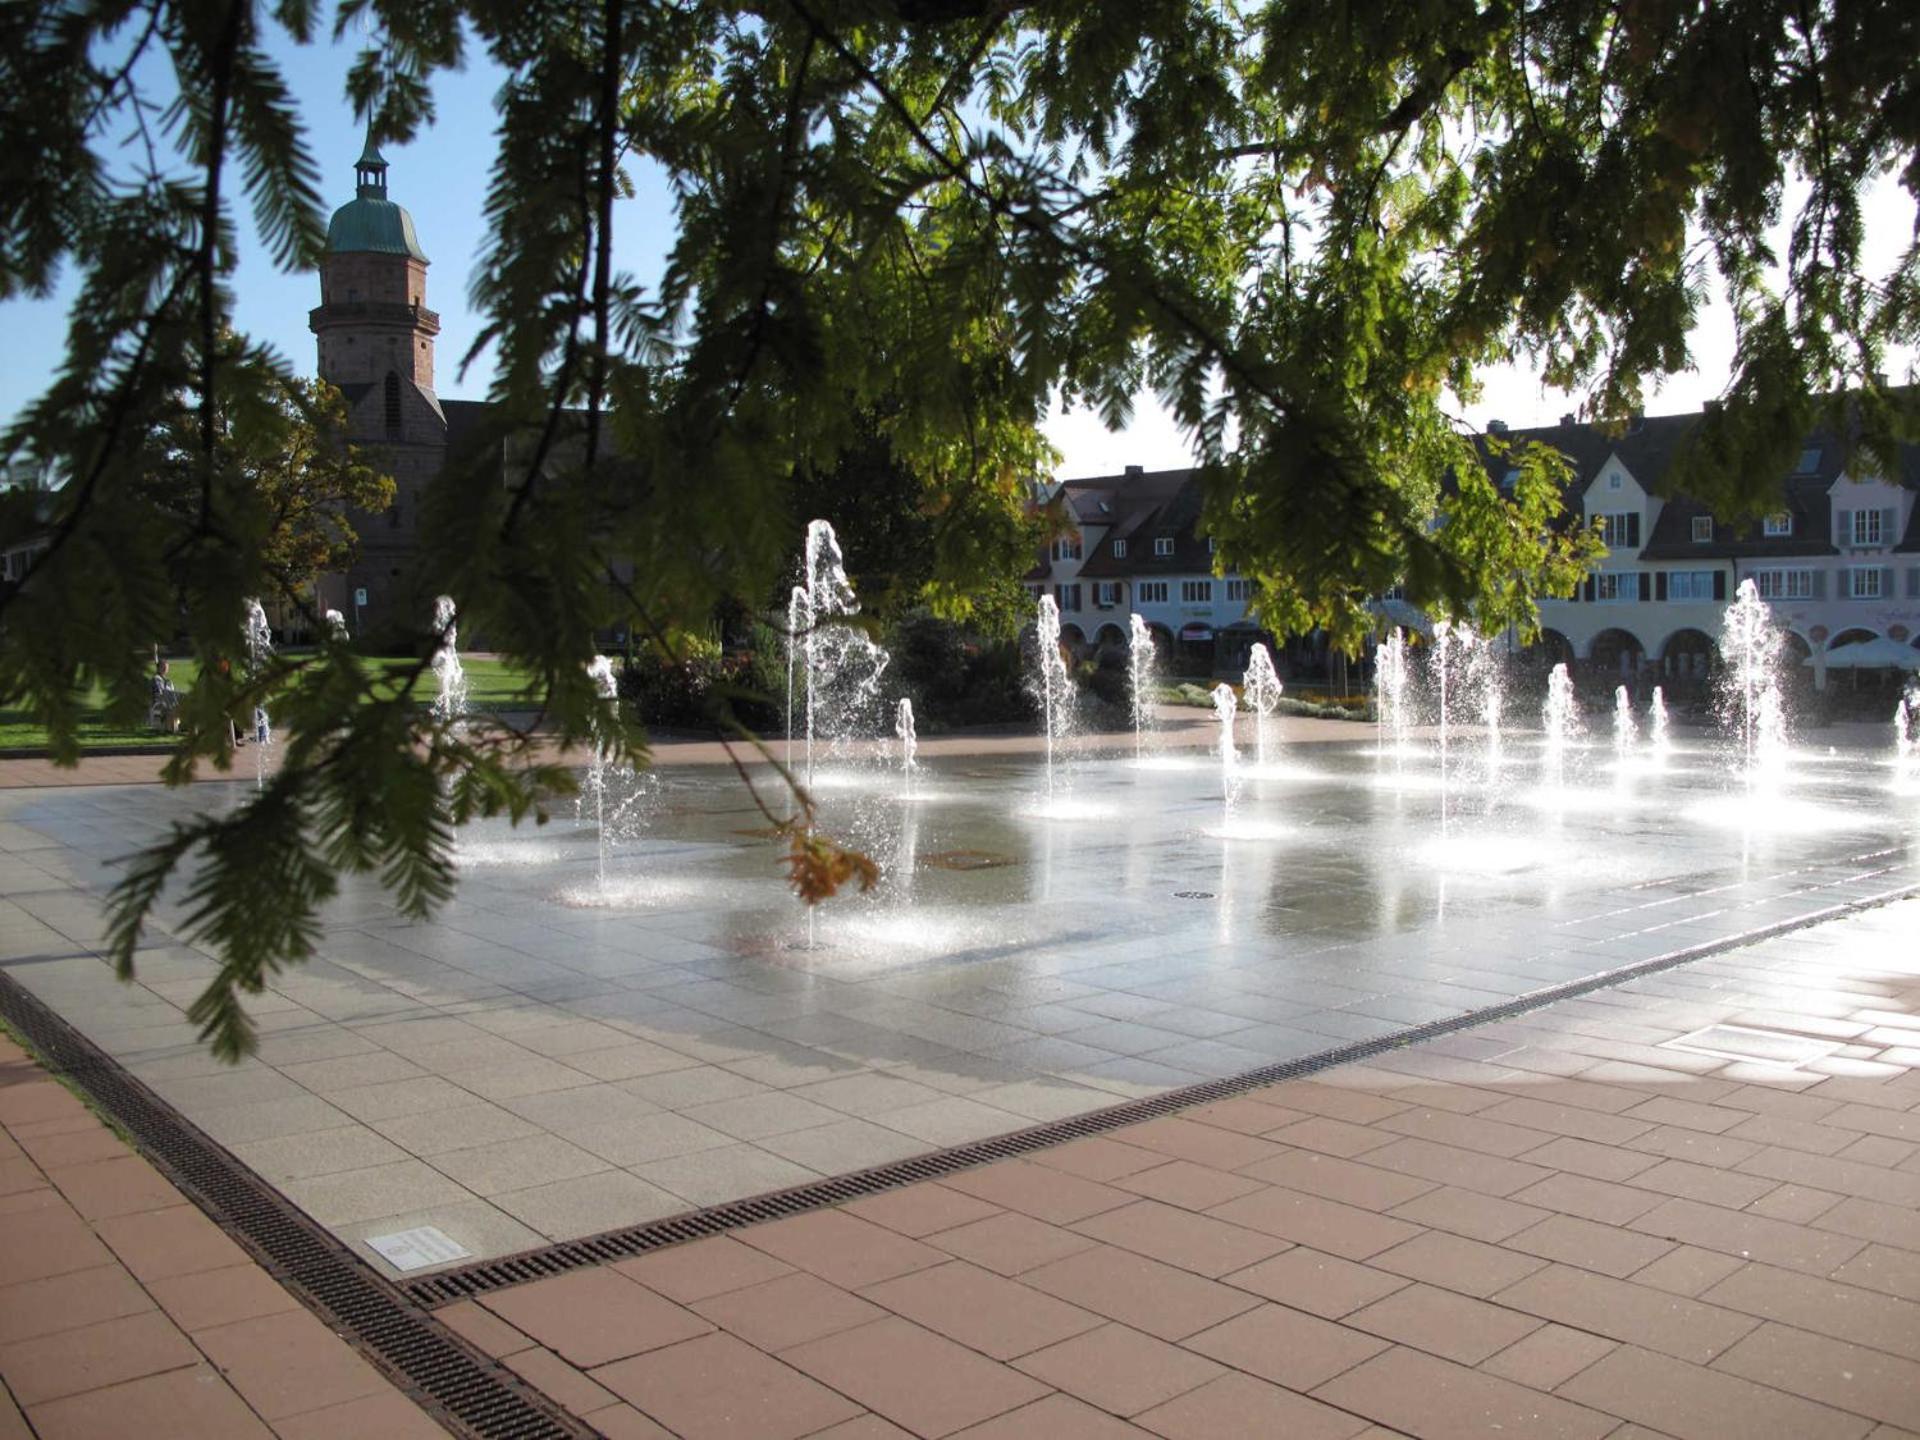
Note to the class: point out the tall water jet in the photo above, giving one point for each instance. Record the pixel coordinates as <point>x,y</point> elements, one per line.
<point>1262,688</point>
<point>336,626</point>
<point>450,704</point>
<point>1390,692</point>
<point>600,672</point>
<point>1140,666</point>
<point>1625,729</point>
<point>1750,700</point>
<point>796,637</point>
<point>1484,674</point>
<point>842,665</point>
<point>1052,685</point>
<point>1657,723</point>
<point>1225,707</point>
<point>909,742</point>
<point>257,638</point>
<point>1559,722</point>
<point>1906,737</point>
<point>1447,638</point>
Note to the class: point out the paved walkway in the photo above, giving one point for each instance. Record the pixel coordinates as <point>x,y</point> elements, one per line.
<point>126,1312</point>
<point>1554,1227</point>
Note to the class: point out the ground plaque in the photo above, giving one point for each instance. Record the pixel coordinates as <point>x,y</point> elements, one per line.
<point>418,1248</point>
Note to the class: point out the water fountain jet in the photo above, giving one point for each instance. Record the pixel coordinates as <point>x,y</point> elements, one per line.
<point>1140,666</point>
<point>1263,690</point>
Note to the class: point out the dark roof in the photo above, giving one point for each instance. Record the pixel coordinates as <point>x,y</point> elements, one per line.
<point>1146,506</point>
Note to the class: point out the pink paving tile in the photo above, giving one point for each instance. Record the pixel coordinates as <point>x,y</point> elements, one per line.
<point>1848,1377</point>
<point>1009,1244</point>
<point>1328,1225</point>
<point>926,1384</point>
<point>1702,1404</point>
<point>1332,1137</point>
<point>1456,1263</point>
<point>481,1328</point>
<point>123,1185</point>
<point>694,1271</point>
<point>1243,1116</point>
<point>1824,1307</point>
<point>1548,1358</point>
<point>289,1364</point>
<point>1794,1247</point>
<point>1454,1327</point>
<point>1339,1103</point>
<point>787,1311</point>
<point>160,1243</point>
<point>590,1317</point>
<point>1119,1369</point>
<point>65,1302</point>
<point>1637,1314</point>
<point>1044,1193</point>
<point>1190,1186</point>
<point>1462,1212</point>
<point>1238,1405</point>
<point>1140,1292</point>
<point>1591,1246</point>
<point>44,1242</point>
<point>389,1417</point>
<point>920,1210</point>
<point>1058,1417</point>
<point>1185,1139</point>
<point>1200,1243</point>
<point>218,1297</point>
<point>1311,1280</point>
<point>1348,1181</point>
<point>623,1422</point>
<point>1434,1399</point>
<point>92,1356</point>
<point>560,1382</point>
<point>189,1404</point>
<point>719,1388</point>
<point>1285,1346</point>
<point>1098,1158</point>
<point>841,1249</point>
<point>998,1317</point>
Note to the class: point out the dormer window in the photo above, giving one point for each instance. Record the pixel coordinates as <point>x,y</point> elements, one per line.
<point>1702,529</point>
<point>1119,549</point>
<point>1613,481</point>
<point>1809,461</point>
<point>1621,531</point>
<point>1777,525</point>
<point>1162,546</point>
<point>1867,529</point>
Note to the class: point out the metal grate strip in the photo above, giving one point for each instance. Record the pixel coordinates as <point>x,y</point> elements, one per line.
<point>484,1276</point>
<point>462,1389</point>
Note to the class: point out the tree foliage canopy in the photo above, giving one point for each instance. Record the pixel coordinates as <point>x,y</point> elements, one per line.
<point>1302,225</point>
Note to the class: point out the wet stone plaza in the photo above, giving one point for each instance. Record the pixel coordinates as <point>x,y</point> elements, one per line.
<point>594,1035</point>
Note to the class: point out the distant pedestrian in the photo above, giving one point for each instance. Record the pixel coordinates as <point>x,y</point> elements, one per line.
<point>164,711</point>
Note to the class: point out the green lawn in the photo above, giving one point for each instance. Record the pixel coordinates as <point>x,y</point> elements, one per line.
<point>491,685</point>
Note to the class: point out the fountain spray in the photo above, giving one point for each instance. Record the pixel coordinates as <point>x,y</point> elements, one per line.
<point>1560,721</point>
<point>1263,691</point>
<point>1390,693</point>
<point>1625,729</point>
<point>450,705</point>
<point>1140,662</point>
<point>257,637</point>
<point>1052,685</point>
<point>600,672</point>
<point>1906,737</point>
<point>337,626</point>
<point>1750,702</point>
<point>843,666</point>
<point>1657,723</point>
<point>909,741</point>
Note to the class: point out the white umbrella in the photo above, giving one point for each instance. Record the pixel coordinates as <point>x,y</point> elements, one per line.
<point>1876,654</point>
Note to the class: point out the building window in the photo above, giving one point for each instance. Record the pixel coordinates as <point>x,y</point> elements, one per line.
<point>1119,549</point>
<point>1620,532</point>
<point>1613,481</point>
<point>1809,461</point>
<point>1780,524</point>
<point>1196,592</point>
<point>1163,545</point>
<point>1611,585</point>
<point>393,406</point>
<point>1106,595</point>
<point>1782,584</point>
<point>1866,527</point>
<point>1241,590</point>
<point>1690,585</point>
<point>1067,549</point>
<point>1210,545</point>
<point>1866,584</point>
<point>1702,529</point>
<point>1152,592</point>
<point>1067,596</point>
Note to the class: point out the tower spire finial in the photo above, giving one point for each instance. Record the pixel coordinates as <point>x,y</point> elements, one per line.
<point>370,170</point>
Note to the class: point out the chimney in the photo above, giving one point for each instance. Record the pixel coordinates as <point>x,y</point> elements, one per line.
<point>1136,470</point>
<point>1496,427</point>
<point>1636,422</point>
<point>1569,420</point>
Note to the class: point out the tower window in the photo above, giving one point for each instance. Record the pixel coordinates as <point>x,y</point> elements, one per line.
<point>393,406</point>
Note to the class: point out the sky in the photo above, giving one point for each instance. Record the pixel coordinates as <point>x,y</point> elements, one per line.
<point>442,177</point>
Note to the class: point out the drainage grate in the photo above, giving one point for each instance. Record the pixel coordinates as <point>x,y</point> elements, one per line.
<point>461,1389</point>
<point>488,1275</point>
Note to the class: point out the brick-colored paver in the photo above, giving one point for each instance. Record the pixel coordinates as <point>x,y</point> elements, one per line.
<point>125,1314</point>
<point>1551,1227</point>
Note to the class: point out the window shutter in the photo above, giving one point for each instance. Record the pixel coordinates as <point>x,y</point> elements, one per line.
<point>1888,519</point>
<point>1913,582</point>
<point>1646,586</point>
<point>1819,584</point>
<point>1719,584</point>
<point>1886,582</point>
<point>1588,597</point>
<point>1843,528</point>
<point>1633,528</point>
<point>1660,586</point>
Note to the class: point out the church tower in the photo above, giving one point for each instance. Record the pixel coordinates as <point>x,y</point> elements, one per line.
<point>375,337</point>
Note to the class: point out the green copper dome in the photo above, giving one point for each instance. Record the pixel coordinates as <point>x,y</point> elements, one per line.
<point>370,221</point>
